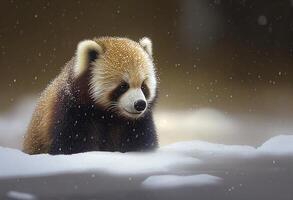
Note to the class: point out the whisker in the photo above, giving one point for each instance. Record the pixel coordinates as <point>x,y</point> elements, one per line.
<point>112,106</point>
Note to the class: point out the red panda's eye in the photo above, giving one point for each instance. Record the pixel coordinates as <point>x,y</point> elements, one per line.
<point>124,85</point>
<point>119,91</point>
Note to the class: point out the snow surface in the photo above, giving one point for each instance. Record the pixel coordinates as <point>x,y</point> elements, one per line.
<point>18,164</point>
<point>173,158</point>
<point>20,195</point>
<point>179,170</point>
<point>173,181</point>
<point>279,145</point>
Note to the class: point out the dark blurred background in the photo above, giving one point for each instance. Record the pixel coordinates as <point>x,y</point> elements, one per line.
<point>233,56</point>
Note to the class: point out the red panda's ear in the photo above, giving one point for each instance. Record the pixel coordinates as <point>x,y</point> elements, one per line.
<point>87,51</point>
<point>147,45</point>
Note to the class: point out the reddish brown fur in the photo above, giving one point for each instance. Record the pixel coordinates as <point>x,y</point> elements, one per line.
<point>38,137</point>
<point>127,56</point>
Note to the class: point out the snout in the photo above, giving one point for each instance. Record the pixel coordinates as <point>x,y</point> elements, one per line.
<point>133,103</point>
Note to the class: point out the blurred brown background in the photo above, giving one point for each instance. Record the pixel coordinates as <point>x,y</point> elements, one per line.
<point>234,56</point>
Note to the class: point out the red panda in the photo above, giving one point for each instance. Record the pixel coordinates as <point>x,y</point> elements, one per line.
<point>101,101</point>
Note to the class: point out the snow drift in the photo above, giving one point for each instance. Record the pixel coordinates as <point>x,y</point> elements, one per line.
<point>182,170</point>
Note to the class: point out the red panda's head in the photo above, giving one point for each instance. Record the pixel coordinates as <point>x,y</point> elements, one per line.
<point>122,73</point>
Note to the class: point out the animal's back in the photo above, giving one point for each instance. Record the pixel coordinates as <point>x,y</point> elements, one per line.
<point>38,137</point>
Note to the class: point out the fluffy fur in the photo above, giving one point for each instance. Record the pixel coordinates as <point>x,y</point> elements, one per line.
<point>84,48</point>
<point>90,104</point>
<point>146,43</point>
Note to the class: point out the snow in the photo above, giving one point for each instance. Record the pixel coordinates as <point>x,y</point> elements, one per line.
<point>282,144</point>
<point>13,123</point>
<point>18,164</point>
<point>171,158</point>
<point>173,181</point>
<point>183,167</point>
<point>20,195</point>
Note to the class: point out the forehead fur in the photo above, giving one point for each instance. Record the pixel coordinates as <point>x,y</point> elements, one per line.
<point>123,59</point>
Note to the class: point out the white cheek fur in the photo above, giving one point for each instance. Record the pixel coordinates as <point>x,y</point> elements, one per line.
<point>152,82</point>
<point>100,86</point>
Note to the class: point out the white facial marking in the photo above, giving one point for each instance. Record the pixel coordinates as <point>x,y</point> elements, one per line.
<point>151,82</point>
<point>127,100</point>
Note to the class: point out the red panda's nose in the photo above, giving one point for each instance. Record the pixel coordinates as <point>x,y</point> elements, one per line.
<point>139,105</point>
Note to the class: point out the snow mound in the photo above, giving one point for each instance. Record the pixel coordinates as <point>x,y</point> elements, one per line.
<point>171,181</point>
<point>20,195</point>
<point>278,144</point>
